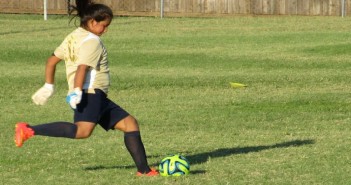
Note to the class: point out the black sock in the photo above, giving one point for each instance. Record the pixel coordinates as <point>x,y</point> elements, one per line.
<point>135,146</point>
<point>56,129</point>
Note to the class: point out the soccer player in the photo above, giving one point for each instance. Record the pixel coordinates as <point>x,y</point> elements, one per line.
<point>88,79</point>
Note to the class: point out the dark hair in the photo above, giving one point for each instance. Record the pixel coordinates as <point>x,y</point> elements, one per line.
<point>87,9</point>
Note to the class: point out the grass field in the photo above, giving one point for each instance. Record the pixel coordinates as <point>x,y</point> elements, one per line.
<point>291,125</point>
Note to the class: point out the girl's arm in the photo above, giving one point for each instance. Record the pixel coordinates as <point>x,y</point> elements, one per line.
<point>80,76</point>
<point>50,69</point>
<point>76,96</point>
<point>44,93</point>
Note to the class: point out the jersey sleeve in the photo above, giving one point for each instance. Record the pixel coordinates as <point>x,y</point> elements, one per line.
<point>90,53</point>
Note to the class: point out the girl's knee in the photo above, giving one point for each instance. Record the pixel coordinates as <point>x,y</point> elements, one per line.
<point>128,124</point>
<point>83,135</point>
<point>84,130</point>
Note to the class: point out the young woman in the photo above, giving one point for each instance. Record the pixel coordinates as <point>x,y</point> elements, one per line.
<point>88,79</point>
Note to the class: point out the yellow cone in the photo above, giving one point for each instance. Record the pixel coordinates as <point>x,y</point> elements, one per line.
<point>237,85</point>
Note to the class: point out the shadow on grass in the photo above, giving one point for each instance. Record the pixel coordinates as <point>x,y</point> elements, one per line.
<point>223,152</point>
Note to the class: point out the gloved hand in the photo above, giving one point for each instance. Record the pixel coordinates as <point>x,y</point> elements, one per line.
<point>43,94</point>
<point>74,98</point>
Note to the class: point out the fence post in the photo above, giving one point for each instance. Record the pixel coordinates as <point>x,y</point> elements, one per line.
<point>161,11</point>
<point>68,7</point>
<point>343,13</point>
<point>45,10</point>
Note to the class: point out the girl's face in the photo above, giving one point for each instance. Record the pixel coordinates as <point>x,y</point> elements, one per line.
<point>98,28</point>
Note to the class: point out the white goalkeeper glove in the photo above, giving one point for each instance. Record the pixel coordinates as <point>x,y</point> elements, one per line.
<point>74,98</point>
<point>43,94</point>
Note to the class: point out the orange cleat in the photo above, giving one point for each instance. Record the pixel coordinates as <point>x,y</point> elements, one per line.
<point>22,133</point>
<point>151,173</point>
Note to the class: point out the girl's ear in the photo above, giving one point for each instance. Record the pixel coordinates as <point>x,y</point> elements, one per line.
<point>91,23</point>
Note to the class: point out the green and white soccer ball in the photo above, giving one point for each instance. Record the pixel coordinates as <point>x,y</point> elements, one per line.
<point>174,165</point>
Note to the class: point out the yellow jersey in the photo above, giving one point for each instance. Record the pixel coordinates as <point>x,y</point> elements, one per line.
<point>84,47</point>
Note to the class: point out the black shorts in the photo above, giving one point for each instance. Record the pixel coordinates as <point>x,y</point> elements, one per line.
<point>97,108</point>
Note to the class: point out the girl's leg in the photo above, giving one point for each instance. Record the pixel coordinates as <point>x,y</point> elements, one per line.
<point>128,124</point>
<point>133,142</point>
<point>56,129</point>
<point>79,130</point>
<point>84,129</point>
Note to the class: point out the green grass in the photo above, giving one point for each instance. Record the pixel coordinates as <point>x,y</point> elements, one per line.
<point>291,125</point>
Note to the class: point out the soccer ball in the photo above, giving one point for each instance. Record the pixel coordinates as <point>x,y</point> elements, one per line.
<point>174,165</point>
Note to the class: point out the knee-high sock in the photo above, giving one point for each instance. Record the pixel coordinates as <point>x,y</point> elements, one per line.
<point>135,146</point>
<point>56,129</point>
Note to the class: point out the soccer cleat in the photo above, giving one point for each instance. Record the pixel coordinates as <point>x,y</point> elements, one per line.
<point>22,133</point>
<point>151,173</point>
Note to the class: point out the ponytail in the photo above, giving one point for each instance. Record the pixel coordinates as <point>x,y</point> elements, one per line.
<point>87,9</point>
<point>82,6</point>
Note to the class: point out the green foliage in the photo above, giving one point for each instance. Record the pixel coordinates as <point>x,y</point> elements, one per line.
<point>289,126</point>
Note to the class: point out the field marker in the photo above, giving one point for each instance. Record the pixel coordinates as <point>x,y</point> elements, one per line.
<point>237,85</point>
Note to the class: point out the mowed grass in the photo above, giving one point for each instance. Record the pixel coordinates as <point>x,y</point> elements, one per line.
<point>291,125</point>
